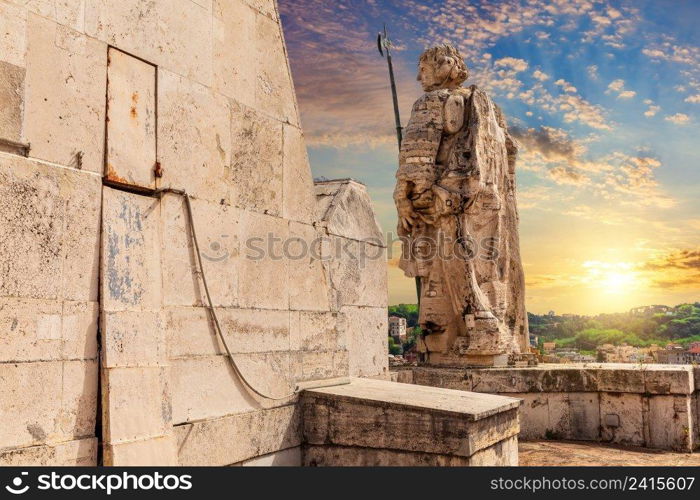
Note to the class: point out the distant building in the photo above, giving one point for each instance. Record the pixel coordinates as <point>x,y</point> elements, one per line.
<point>650,310</point>
<point>397,328</point>
<point>549,346</point>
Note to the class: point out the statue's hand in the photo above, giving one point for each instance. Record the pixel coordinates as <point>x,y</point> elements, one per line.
<point>407,215</point>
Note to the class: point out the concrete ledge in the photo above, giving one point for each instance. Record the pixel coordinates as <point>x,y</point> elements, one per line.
<point>77,453</point>
<point>402,424</point>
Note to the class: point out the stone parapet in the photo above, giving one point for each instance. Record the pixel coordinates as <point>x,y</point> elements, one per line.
<point>654,406</point>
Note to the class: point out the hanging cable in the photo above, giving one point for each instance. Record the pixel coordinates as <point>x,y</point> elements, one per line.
<point>210,304</point>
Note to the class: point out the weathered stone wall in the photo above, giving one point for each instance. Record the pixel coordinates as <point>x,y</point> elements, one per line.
<point>654,406</point>
<point>76,254</point>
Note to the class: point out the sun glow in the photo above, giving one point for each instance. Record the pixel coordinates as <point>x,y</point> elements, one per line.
<point>612,277</point>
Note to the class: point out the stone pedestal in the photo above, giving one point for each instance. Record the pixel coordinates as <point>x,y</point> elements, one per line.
<point>380,423</point>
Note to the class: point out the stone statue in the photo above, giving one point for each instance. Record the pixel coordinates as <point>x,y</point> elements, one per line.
<point>455,195</point>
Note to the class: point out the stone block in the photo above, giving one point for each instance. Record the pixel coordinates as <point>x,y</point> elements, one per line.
<point>247,435</point>
<point>69,13</point>
<point>78,453</point>
<point>131,275</point>
<point>217,230</point>
<point>174,35</point>
<point>584,411</point>
<point>133,339</point>
<point>65,123</point>
<point>194,137</point>
<point>357,272</point>
<point>446,378</point>
<point>630,411</point>
<point>366,329</point>
<point>369,413</point>
<point>254,175</point>
<point>274,90</point>
<point>285,458</point>
<point>402,376</point>
<point>263,280</point>
<point>234,71</point>
<point>298,190</point>
<point>158,451</point>
<point>308,281</point>
<point>190,331</point>
<point>43,239</point>
<point>502,454</point>
<point>347,210</point>
<point>42,330</point>
<point>670,423</point>
<point>319,365</point>
<point>207,387</point>
<point>13,34</point>
<point>265,7</point>
<point>136,403</point>
<point>534,415</point>
<point>315,331</point>
<point>664,379</point>
<point>47,402</point>
<point>11,101</point>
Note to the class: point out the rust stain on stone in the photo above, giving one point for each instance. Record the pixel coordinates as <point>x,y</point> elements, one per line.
<point>134,103</point>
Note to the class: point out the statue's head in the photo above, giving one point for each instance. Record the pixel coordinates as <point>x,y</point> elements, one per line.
<point>442,67</point>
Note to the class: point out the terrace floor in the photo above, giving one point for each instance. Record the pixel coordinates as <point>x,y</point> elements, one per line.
<point>579,453</point>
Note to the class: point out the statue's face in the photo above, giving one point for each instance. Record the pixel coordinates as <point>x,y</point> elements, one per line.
<point>435,75</point>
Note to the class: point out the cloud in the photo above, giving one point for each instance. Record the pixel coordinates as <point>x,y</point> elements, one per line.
<point>592,71</point>
<point>618,87</point>
<point>678,119</point>
<point>652,109</point>
<point>539,75</point>
<point>693,98</point>
<point>513,63</point>
<point>566,86</point>
<point>677,269</point>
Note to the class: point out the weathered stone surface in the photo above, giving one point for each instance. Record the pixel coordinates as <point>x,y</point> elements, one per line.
<point>234,71</point>
<point>131,275</point>
<point>455,196</point>
<point>266,7</point>
<point>13,34</point>
<point>622,418</point>
<point>308,280</point>
<point>347,456</point>
<point>41,330</point>
<point>263,280</point>
<point>247,436</point>
<point>319,365</point>
<point>194,137</point>
<point>217,230</point>
<point>357,272</point>
<point>43,239</point>
<point>66,12</point>
<point>285,458</point>
<point>174,35</point>
<point>65,123</point>
<point>131,120</point>
<point>11,101</point>
<point>346,209</point>
<point>274,90</point>
<point>133,339</point>
<point>315,331</point>
<point>502,454</point>
<point>207,387</point>
<point>136,403</point>
<point>299,203</point>
<point>254,175</point>
<point>670,423</point>
<point>370,413</point>
<point>190,332</point>
<point>159,451</point>
<point>365,329</point>
<point>78,453</point>
<point>47,402</point>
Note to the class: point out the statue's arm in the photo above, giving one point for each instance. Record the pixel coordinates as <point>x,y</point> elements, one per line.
<point>416,173</point>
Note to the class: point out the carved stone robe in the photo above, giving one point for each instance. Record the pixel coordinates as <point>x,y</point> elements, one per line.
<point>457,170</point>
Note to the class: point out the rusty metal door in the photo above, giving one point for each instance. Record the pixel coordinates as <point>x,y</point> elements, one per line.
<point>131,121</point>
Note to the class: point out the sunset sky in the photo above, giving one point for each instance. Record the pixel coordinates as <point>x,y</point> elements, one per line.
<point>604,98</point>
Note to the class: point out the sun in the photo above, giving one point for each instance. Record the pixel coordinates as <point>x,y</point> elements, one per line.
<point>618,282</point>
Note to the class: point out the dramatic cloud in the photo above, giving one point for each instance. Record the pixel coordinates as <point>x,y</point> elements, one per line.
<point>618,87</point>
